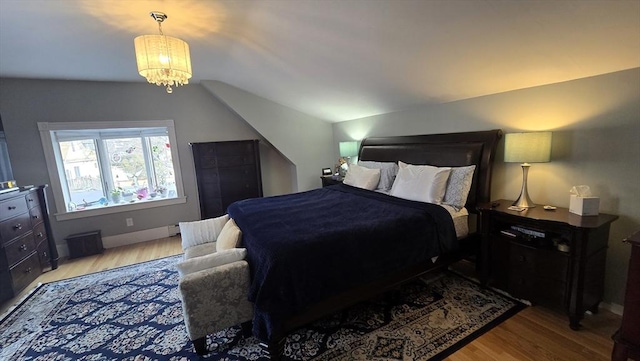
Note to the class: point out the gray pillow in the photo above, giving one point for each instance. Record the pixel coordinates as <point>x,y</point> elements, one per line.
<point>388,172</point>
<point>458,186</point>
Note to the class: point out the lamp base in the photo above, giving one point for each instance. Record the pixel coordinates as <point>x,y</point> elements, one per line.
<point>523,200</point>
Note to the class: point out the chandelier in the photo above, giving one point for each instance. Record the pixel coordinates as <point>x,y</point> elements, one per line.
<point>163,60</point>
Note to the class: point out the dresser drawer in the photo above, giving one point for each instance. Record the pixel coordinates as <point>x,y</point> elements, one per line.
<point>44,256</point>
<point>36,215</point>
<point>39,233</point>
<point>15,227</point>
<point>19,249</point>
<point>12,207</point>
<point>235,160</point>
<point>236,148</point>
<point>25,272</point>
<point>32,200</point>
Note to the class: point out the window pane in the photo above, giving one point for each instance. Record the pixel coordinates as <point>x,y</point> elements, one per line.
<point>92,161</point>
<point>126,162</point>
<point>82,172</point>
<point>164,178</point>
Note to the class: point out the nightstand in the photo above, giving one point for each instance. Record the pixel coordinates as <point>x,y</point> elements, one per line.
<point>329,180</point>
<point>520,255</point>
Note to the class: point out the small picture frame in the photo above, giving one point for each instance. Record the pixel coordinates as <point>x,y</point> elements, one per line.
<point>326,171</point>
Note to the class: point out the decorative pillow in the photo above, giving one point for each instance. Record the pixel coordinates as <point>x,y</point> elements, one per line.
<point>229,236</point>
<point>199,232</point>
<point>458,186</point>
<point>388,171</point>
<point>196,264</point>
<point>423,183</point>
<point>362,177</point>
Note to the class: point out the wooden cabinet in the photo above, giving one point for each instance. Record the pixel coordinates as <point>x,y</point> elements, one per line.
<point>550,257</point>
<point>226,172</point>
<point>627,338</point>
<point>26,246</point>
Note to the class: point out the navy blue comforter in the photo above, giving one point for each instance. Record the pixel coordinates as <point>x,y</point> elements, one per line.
<point>305,247</point>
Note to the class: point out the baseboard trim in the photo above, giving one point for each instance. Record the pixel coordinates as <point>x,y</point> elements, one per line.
<point>126,238</point>
<point>613,307</point>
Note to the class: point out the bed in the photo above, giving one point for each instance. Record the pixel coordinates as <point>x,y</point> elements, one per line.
<point>315,252</point>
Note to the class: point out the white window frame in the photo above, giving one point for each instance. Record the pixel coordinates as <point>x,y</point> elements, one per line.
<point>54,166</point>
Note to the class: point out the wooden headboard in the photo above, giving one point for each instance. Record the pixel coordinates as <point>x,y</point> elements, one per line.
<point>451,149</point>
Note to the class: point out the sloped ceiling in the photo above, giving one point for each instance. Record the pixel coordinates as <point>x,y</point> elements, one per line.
<point>333,59</point>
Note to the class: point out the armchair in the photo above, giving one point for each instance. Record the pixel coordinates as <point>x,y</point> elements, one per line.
<point>213,282</point>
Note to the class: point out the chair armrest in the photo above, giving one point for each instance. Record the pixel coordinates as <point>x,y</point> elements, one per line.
<point>200,250</point>
<point>215,298</point>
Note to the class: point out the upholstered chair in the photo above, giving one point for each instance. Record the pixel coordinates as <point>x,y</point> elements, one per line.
<point>214,280</point>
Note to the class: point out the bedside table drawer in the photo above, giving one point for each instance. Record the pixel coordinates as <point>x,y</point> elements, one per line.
<point>522,259</point>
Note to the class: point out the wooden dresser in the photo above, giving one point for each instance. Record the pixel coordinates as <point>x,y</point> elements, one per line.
<point>26,246</point>
<point>521,255</point>
<point>627,338</point>
<point>226,172</point>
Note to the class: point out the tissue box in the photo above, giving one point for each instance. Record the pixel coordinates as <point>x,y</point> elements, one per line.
<point>584,206</point>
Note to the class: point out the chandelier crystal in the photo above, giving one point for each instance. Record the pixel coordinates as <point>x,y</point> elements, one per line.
<point>163,60</point>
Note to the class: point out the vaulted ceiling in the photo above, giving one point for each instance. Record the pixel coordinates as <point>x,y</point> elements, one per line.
<point>333,59</point>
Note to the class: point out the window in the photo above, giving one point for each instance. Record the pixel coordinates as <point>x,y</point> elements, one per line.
<point>100,168</point>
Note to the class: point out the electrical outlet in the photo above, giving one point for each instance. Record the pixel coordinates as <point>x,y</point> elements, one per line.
<point>129,222</point>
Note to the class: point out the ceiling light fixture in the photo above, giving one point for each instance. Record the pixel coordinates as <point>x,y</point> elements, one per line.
<point>163,60</point>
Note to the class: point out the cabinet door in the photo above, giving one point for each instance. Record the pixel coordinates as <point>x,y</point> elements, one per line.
<point>538,275</point>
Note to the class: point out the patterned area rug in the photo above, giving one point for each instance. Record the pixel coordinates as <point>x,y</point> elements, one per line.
<point>134,313</point>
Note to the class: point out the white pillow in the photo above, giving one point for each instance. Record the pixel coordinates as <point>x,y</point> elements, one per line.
<point>388,171</point>
<point>200,232</point>
<point>458,186</point>
<point>362,177</point>
<point>423,183</point>
<point>196,264</point>
<point>229,236</point>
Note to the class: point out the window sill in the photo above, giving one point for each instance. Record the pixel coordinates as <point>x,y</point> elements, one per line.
<point>119,208</point>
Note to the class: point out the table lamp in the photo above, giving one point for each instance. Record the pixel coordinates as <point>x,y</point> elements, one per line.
<point>525,148</point>
<point>347,150</point>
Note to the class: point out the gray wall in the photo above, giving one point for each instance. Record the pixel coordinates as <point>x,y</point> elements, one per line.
<point>198,117</point>
<point>301,138</point>
<point>596,141</point>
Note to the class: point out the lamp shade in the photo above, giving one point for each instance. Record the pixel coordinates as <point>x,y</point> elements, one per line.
<point>163,60</point>
<point>348,149</point>
<point>533,147</point>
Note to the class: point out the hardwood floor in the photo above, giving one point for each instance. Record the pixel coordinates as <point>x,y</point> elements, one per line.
<point>534,334</point>
<point>110,258</point>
